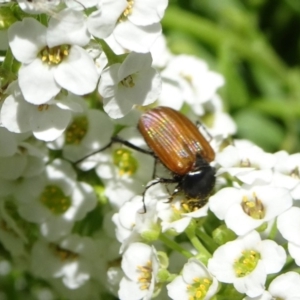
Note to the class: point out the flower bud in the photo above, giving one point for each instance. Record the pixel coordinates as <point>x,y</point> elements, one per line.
<point>222,235</point>
<point>7,17</point>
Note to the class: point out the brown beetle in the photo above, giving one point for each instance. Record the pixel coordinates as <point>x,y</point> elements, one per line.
<point>178,144</point>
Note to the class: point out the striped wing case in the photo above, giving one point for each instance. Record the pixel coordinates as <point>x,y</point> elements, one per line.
<point>174,139</point>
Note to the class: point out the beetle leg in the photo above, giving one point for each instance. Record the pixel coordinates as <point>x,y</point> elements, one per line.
<point>154,167</point>
<point>154,182</point>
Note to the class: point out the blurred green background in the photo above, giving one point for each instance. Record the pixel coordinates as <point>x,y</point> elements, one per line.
<point>255,45</point>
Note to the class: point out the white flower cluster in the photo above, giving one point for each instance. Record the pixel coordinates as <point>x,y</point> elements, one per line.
<point>80,71</point>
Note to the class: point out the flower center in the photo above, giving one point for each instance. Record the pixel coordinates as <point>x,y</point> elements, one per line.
<point>128,82</point>
<point>125,162</point>
<point>188,78</point>
<point>77,130</point>
<point>127,11</point>
<point>192,204</point>
<point>145,275</point>
<point>43,107</point>
<point>55,55</point>
<point>62,253</point>
<point>176,213</point>
<point>246,263</point>
<point>54,199</point>
<point>199,288</point>
<point>245,163</point>
<point>253,207</point>
<point>295,173</point>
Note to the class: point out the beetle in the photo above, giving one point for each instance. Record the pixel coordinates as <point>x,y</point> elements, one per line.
<point>179,145</point>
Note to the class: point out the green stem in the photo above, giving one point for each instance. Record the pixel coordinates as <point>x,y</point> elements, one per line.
<point>297,270</point>
<point>111,56</point>
<point>43,18</point>
<point>204,254</point>
<point>207,240</point>
<point>273,231</point>
<point>173,245</point>
<point>12,223</point>
<point>8,61</point>
<point>289,264</point>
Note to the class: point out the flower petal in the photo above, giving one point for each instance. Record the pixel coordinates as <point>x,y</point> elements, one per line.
<point>139,39</point>
<point>77,73</point>
<point>26,39</point>
<point>37,83</point>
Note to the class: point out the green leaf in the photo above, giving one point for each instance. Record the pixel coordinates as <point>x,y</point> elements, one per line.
<point>235,90</point>
<point>259,129</point>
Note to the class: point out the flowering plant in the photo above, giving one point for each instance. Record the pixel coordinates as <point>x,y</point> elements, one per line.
<point>76,74</point>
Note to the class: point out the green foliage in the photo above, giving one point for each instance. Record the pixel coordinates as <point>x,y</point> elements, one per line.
<point>255,45</point>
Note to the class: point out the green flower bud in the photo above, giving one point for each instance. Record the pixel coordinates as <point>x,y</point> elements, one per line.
<point>151,234</point>
<point>7,18</point>
<point>222,235</point>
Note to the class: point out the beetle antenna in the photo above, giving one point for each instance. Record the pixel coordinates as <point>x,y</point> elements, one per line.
<point>116,139</point>
<point>95,152</point>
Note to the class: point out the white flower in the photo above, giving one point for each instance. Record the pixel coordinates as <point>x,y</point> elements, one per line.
<point>246,209</point>
<point>72,260</point>
<point>81,4</point>
<point>287,172</point>
<point>101,22</point>
<point>264,296</point>
<point>249,163</point>
<point>288,225</point>
<point>47,122</point>
<point>122,190</point>
<point>246,262</point>
<point>55,200</point>
<point>19,158</point>
<point>125,219</point>
<point>140,265</point>
<point>89,290</point>
<point>134,82</point>
<point>285,286</point>
<point>134,24</point>
<point>174,215</point>
<point>39,6</point>
<point>124,171</point>
<point>191,81</point>
<point>133,224</point>
<point>52,57</point>
<point>160,53</point>
<point>110,273</point>
<point>88,131</point>
<point>114,276</point>
<point>219,123</point>
<point>195,282</point>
